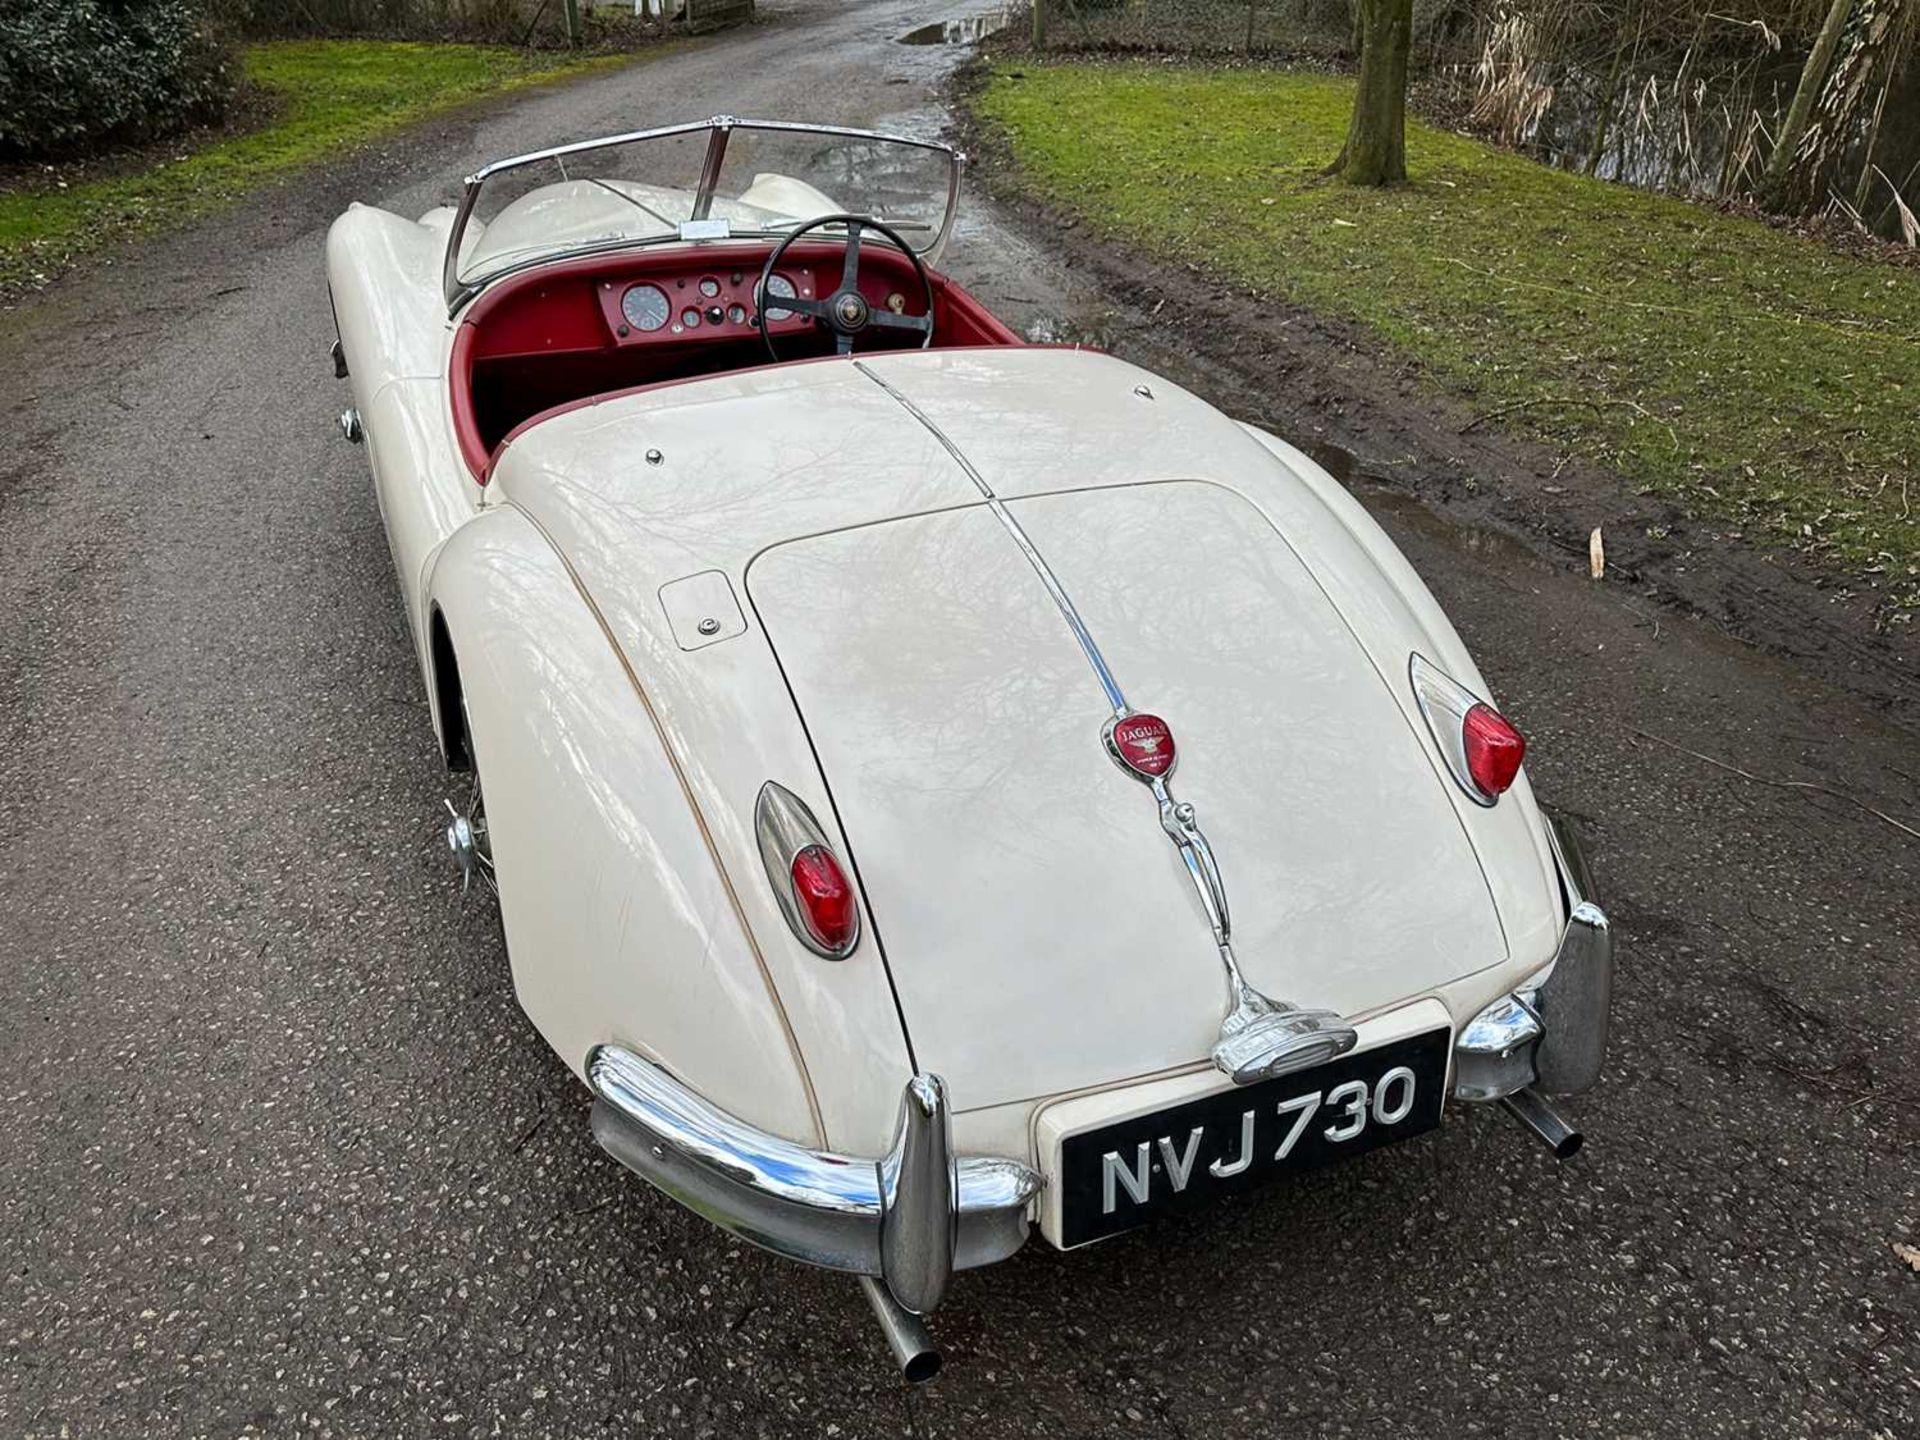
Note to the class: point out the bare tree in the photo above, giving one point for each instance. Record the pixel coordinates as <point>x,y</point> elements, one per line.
<point>1376,148</point>
<point>1776,182</point>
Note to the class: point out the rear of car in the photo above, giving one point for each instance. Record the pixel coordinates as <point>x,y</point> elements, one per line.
<point>939,584</point>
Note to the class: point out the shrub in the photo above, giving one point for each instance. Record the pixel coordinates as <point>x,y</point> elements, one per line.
<point>79,74</point>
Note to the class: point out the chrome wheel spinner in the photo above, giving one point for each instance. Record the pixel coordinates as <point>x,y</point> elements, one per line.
<point>466,836</point>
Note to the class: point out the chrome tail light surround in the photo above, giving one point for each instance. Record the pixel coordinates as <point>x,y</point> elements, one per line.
<point>784,827</point>
<point>1445,702</point>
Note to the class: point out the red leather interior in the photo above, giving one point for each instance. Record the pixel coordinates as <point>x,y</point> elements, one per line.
<point>554,337</point>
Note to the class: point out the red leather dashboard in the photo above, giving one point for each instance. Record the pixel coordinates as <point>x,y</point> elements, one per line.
<point>579,328</point>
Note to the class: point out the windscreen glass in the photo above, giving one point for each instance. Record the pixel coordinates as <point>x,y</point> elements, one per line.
<point>769,182</point>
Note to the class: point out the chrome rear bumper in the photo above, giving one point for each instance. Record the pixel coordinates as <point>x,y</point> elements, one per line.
<point>910,1217</point>
<point>1553,1035</point>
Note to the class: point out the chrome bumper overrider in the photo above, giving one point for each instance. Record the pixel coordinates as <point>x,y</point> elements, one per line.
<point>910,1217</point>
<point>1554,1035</point>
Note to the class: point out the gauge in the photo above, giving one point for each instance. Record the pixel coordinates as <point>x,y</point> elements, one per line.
<point>690,318</point>
<point>709,287</point>
<point>737,314</point>
<point>645,307</point>
<point>781,287</point>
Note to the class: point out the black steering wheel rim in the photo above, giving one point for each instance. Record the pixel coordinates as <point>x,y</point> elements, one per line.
<point>846,313</point>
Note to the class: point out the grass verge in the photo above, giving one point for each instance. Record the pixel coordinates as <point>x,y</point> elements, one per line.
<point>1752,376</point>
<point>326,96</point>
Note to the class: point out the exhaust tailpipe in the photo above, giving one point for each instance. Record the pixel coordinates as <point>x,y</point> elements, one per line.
<point>913,1348</point>
<point>1543,1120</point>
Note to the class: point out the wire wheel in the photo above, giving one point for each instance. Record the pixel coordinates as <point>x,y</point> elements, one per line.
<point>467,838</point>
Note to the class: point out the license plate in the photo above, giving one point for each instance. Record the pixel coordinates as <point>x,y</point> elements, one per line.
<point>1125,1174</point>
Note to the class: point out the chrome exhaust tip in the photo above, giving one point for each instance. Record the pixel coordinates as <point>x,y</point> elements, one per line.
<point>1544,1121</point>
<point>906,1334</point>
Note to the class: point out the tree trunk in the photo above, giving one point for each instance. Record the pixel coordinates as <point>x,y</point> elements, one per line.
<point>1376,148</point>
<point>1775,182</point>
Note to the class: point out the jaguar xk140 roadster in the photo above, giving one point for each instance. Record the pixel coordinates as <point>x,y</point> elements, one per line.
<point>935,785</point>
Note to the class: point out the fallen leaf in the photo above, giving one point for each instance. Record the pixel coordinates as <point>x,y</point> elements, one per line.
<point>1597,555</point>
<point>1348,224</point>
<point>1908,1254</point>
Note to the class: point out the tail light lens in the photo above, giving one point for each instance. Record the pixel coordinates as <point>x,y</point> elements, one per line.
<point>827,906</point>
<point>1494,749</point>
<point>812,887</point>
<point>1479,744</point>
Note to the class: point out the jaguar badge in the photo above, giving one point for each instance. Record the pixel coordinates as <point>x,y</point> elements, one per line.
<point>1142,744</point>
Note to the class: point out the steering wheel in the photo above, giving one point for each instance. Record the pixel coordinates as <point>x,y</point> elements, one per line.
<point>846,312</point>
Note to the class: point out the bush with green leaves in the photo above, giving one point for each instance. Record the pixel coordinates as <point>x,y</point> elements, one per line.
<point>80,74</point>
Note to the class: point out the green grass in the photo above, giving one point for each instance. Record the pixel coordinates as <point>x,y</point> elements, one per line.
<point>1757,378</point>
<point>328,96</point>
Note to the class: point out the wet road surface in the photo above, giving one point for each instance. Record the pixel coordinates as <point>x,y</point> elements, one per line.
<point>279,1155</point>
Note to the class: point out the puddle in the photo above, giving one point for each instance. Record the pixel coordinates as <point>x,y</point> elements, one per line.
<point>1504,551</point>
<point>1068,330</point>
<point>1338,461</point>
<point>967,30</point>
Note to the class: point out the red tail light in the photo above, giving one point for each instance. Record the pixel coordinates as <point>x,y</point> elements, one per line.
<point>815,894</point>
<point>827,906</point>
<point>1481,748</point>
<point>1494,749</point>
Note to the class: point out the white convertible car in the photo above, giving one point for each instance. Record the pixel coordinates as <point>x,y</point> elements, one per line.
<point>935,785</point>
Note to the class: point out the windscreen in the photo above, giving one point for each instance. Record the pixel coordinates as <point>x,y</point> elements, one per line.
<point>647,188</point>
<point>787,177</point>
<point>562,203</point>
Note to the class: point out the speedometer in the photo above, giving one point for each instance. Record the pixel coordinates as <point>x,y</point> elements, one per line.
<point>780,287</point>
<point>646,307</point>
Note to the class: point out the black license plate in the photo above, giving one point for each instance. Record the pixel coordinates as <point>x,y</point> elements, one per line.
<point>1125,1174</point>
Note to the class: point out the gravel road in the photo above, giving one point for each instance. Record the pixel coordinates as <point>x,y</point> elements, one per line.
<point>279,1155</point>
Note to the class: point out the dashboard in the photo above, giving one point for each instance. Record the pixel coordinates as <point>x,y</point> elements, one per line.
<point>719,302</point>
<point>596,325</point>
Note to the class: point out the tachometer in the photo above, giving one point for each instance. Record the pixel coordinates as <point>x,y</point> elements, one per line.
<point>646,307</point>
<point>780,287</point>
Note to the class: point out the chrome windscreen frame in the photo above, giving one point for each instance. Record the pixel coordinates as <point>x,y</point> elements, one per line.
<point>721,127</point>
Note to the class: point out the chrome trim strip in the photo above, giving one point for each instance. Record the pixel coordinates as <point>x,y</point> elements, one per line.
<point>1072,616</point>
<point>816,1206</point>
<point>959,456</point>
<point>1061,600</point>
<point>1259,1036</point>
